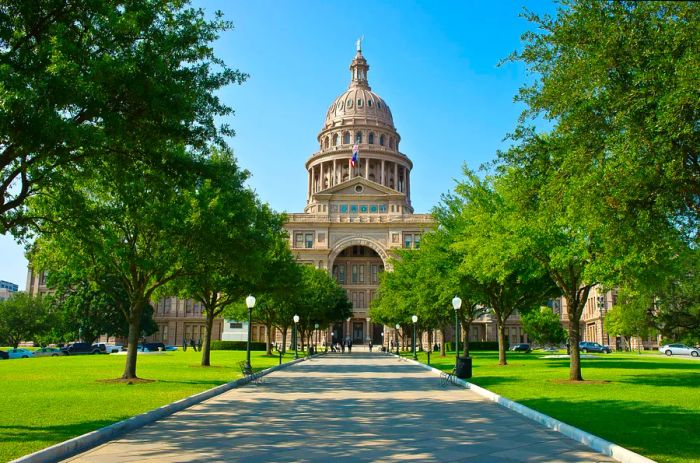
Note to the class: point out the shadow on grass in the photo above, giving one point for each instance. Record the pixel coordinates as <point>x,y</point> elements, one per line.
<point>675,380</point>
<point>51,433</point>
<point>656,431</point>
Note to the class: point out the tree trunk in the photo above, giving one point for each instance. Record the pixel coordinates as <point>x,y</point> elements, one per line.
<point>501,344</point>
<point>284,340</point>
<point>269,339</point>
<point>133,340</point>
<point>442,342</point>
<point>206,347</point>
<point>465,327</point>
<point>574,337</point>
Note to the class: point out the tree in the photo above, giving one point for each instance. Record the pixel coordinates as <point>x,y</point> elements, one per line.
<point>23,317</point>
<point>85,79</point>
<point>543,327</point>
<point>486,226</point>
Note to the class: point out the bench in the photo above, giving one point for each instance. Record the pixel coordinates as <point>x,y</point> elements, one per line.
<point>256,378</point>
<point>447,378</point>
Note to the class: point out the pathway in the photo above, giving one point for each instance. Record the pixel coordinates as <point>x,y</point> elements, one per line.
<point>358,407</point>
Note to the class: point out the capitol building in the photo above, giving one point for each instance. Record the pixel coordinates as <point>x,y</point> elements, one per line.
<point>358,202</point>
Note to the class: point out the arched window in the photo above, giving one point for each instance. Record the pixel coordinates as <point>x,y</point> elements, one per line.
<point>369,103</point>
<point>327,142</point>
<point>335,139</point>
<point>346,138</point>
<point>371,138</point>
<point>358,137</point>
<point>381,140</point>
<point>391,142</point>
<point>359,103</point>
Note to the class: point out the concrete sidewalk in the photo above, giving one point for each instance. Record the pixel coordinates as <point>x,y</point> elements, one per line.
<point>358,407</point>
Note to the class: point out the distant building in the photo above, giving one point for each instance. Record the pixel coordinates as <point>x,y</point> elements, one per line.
<point>11,287</point>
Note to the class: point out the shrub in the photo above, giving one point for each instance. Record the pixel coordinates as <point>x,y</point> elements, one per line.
<point>475,345</point>
<point>236,345</point>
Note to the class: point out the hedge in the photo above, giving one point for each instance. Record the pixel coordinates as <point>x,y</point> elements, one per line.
<point>475,345</point>
<point>237,345</point>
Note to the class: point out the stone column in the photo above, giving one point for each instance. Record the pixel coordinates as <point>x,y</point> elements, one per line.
<point>320,177</point>
<point>367,168</point>
<point>396,176</point>
<point>382,180</point>
<point>335,174</point>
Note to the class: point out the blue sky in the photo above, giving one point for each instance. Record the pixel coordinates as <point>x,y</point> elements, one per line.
<point>434,63</point>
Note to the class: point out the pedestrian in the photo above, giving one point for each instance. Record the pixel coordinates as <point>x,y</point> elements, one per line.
<point>342,346</point>
<point>193,345</point>
<point>370,346</point>
<point>349,345</point>
<point>199,344</point>
<point>184,344</point>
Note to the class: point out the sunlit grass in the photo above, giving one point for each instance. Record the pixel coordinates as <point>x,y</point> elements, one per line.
<point>51,399</point>
<point>647,403</point>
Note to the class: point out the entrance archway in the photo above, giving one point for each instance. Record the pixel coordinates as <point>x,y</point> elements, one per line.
<point>356,267</point>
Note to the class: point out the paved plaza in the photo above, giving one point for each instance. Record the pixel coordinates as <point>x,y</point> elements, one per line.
<point>337,408</point>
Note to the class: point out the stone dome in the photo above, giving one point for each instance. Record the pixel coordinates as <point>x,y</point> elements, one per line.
<point>359,101</point>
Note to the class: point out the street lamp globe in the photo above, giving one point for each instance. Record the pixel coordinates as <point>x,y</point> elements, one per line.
<point>296,319</point>
<point>250,302</point>
<point>414,318</point>
<point>398,327</point>
<point>456,303</point>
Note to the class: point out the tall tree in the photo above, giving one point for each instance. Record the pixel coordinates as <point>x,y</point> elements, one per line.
<point>87,79</point>
<point>543,326</point>
<point>23,317</point>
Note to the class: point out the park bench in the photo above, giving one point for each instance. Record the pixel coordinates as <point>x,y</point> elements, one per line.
<point>448,378</point>
<point>256,378</point>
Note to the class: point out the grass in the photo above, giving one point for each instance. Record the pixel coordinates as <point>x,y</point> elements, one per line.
<point>50,399</point>
<point>647,403</point>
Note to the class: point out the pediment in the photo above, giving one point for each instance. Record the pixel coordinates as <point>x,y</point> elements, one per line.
<point>358,186</point>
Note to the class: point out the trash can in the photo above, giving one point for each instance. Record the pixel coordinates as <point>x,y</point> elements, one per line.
<point>311,350</point>
<point>463,369</point>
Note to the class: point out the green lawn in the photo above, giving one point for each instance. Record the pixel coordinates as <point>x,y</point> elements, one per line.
<point>51,399</point>
<point>647,403</point>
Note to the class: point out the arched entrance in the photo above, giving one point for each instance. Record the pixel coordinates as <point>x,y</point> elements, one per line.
<point>356,267</point>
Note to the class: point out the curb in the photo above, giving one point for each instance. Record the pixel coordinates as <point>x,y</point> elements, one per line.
<point>92,439</point>
<point>594,442</point>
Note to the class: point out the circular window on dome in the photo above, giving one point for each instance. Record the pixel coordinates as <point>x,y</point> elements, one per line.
<point>359,189</point>
<point>348,103</point>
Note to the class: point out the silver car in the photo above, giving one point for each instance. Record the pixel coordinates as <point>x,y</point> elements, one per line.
<point>679,349</point>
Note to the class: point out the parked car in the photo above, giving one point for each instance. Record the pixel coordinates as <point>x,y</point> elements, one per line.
<point>586,347</point>
<point>109,348</point>
<point>550,349</point>
<point>48,352</point>
<point>521,348</point>
<point>170,348</point>
<point>151,347</point>
<point>20,353</point>
<point>82,348</point>
<point>4,355</point>
<point>679,349</point>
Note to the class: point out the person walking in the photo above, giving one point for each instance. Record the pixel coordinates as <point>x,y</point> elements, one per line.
<point>370,345</point>
<point>349,345</point>
<point>184,344</point>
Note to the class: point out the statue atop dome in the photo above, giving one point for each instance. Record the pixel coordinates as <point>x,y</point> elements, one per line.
<point>358,43</point>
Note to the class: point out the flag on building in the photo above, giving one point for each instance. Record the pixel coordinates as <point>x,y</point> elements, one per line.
<point>355,156</point>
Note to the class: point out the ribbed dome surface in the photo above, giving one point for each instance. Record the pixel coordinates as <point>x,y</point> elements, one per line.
<point>361,103</point>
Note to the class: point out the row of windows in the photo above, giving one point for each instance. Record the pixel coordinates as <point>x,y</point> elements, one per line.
<point>411,240</point>
<point>360,103</point>
<point>304,240</point>
<point>357,273</point>
<point>359,208</point>
<point>335,140</point>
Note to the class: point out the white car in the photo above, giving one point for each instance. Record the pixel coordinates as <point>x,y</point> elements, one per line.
<point>679,349</point>
<point>20,353</point>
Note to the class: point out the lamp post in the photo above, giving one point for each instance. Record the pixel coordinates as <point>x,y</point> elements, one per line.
<point>294,336</point>
<point>601,309</point>
<point>396,335</point>
<point>316,337</point>
<point>250,302</point>
<point>369,330</point>
<point>415,320</point>
<point>457,304</point>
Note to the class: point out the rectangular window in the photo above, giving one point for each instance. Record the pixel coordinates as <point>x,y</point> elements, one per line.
<point>341,274</point>
<point>362,273</point>
<point>373,209</point>
<point>361,299</point>
<point>309,240</point>
<point>374,272</point>
<point>353,208</point>
<point>416,241</point>
<point>334,208</point>
<point>382,208</point>
<point>407,241</point>
<point>355,275</point>
<point>364,209</point>
<point>343,208</point>
<point>236,325</point>
<point>298,240</point>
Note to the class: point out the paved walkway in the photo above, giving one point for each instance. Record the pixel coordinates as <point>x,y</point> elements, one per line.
<point>359,407</point>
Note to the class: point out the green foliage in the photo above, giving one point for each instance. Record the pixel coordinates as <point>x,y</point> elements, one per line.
<point>23,317</point>
<point>87,80</point>
<point>477,346</point>
<point>544,327</point>
<point>237,345</point>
